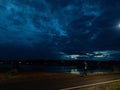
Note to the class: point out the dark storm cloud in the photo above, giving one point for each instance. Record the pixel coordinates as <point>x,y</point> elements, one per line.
<point>96,28</point>
<point>26,31</point>
<point>43,29</point>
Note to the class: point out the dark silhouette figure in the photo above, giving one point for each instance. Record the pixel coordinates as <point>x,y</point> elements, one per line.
<point>84,68</point>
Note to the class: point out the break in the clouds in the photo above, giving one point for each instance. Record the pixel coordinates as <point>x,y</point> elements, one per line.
<point>42,29</point>
<point>95,55</point>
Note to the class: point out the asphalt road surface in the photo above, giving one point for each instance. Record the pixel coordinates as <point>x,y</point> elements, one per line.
<point>58,83</point>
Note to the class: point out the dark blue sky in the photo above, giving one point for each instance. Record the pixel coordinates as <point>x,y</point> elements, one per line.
<point>60,29</point>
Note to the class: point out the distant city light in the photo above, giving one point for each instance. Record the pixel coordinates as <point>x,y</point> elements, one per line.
<point>20,62</point>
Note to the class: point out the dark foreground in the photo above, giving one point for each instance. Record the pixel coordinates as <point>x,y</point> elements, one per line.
<point>58,82</point>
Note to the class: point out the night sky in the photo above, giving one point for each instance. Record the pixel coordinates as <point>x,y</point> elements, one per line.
<point>60,29</point>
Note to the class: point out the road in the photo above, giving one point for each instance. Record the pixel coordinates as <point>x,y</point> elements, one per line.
<point>59,83</point>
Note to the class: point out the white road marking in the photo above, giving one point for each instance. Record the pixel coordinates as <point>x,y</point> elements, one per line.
<point>89,85</point>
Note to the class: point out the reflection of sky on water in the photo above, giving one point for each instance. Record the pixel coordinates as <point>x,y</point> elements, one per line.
<point>55,69</point>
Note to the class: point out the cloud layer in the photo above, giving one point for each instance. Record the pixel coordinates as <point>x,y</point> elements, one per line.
<point>42,29</point>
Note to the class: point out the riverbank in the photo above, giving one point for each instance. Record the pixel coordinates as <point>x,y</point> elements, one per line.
<point>50,81</point>
<point>26,76</point>
<point>18,77</point>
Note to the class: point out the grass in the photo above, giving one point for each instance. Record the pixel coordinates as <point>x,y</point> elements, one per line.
<point>116,86</point>
<point>110,86</point>
<point>14,76</point>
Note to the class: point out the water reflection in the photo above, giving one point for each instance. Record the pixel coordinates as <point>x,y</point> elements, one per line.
<point>56,69</point>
